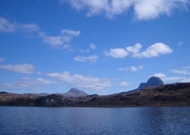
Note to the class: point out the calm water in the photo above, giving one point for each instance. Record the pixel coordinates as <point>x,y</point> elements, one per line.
<point>95,121</point>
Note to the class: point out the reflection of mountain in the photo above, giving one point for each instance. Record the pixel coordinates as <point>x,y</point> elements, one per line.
<point>152,82</point>
<point>170,94</point>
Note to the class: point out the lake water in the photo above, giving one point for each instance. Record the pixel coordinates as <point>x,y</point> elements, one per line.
<point>95,121</point>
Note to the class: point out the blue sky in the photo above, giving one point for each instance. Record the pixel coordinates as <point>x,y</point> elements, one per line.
<point>102,46</point>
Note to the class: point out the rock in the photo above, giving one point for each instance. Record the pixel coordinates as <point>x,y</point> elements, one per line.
<point>142,85</point>
<point>152,82</point>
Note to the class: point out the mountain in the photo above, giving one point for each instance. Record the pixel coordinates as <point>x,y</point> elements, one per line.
<point>73,92</point>
<point>164,95</point>
<point>177,94</point>
<point>152,82</point>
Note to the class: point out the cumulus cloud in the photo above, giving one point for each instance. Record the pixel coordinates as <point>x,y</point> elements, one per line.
<point>132,68</point>
<point>19,68</point>
<point>134,49</point>
<point>116,53</point>
<point>154,50</point>
<point>92,58</point>
<point>150,9</point>
<point>143,9</point>
<point>81,81</point>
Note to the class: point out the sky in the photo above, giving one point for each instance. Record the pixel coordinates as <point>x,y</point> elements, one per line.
<point>98,46</point>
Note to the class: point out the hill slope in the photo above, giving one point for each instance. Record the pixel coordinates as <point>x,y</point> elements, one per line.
<point>165,95</point>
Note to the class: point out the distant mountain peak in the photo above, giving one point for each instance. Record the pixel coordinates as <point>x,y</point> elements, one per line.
<point>74,92</point>
<point>152,82</point>
<point>155,80</point>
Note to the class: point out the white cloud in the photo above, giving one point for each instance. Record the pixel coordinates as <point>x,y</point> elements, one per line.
<point>92,46</point>
<point>70,33</point>
<point>160,75</point>
<point>61,40</point>
<point>68,47</point>
<point>134,50</point>
<point>92,58</point>
<point>154,50</point>
<point>7,26</point>
<point>28,27</point>
<point>125,84</point>
<point>116,53</point>
<point>19,68</point>
<point>172,79</point>
<point>132,68</point>
<point>181,71</point>
<point>2,59</point>
<point>43,81</point>
<point>118,7</point>
<point>81,81</point>
<point>53,40</point>
<point>143,9</point>
<point>150,9</point>
<point>94,6</point>
<point>180,75</point>
<point>26,83</point>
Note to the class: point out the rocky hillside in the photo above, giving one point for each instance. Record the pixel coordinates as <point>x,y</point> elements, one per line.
<point>164,95</point>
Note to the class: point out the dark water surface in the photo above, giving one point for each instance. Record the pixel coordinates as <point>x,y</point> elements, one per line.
<point>95,121</point>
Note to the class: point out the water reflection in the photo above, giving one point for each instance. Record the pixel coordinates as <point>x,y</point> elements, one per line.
<point>95,121</point>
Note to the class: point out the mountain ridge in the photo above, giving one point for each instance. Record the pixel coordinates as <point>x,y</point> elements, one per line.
<point>73,92</point>
<point>163,95</point>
